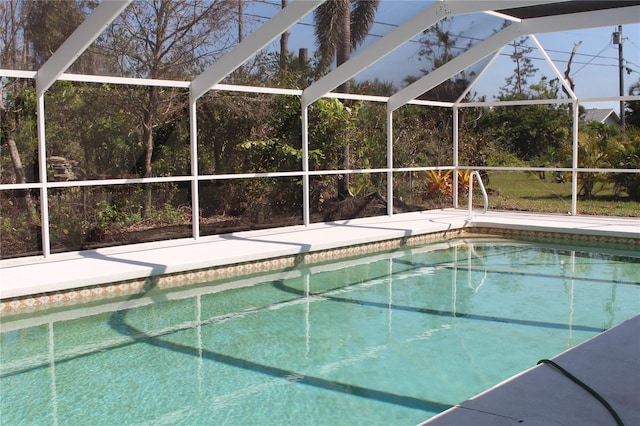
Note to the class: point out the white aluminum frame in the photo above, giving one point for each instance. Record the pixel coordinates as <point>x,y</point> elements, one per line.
<point>54,70</point>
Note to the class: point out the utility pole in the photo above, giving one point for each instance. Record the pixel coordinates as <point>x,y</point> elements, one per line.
<point>617,39</point>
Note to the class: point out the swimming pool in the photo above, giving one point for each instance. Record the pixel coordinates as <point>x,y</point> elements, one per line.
<point>391,338</point>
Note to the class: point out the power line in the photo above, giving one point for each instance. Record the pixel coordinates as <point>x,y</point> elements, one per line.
<point>584,64</point>
<point>594,57</point>
<point>389,24</point>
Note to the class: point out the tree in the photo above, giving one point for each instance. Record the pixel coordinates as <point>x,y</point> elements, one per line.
<point>17,103</point>
<point>284,43</point>
<point>14,47</point>
<point>10,121</point>
<point>422,131</point>
<point>164,39</point>
<point>340,27</point>
<point>438,46</point>
<point>245,133</point>
<point>517,84</point>
<point>625,154</point>
<point>536,133</point>
<point>567,73</point>
<point>159,39</point>
<point>49,24</point>
<point>595,146</point>
<point>632,110</point>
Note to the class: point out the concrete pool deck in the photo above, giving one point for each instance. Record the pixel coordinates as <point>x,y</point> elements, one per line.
<point>610,363</point>
<point>36,275</point>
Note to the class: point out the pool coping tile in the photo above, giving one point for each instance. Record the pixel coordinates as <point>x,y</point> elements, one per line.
<point>35,283</point>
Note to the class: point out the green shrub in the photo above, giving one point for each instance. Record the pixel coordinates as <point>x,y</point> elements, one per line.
<point>626,155</point>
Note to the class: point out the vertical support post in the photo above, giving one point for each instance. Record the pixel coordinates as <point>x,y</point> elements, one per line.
<point>455,156</point>
<point>389,162</point>
<point>306,216</point>
<point>574,162</point>
<point>195,184</point>
<point>470,196</point>
<point>42,171</point>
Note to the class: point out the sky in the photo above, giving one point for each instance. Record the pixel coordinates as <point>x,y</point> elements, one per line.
<point>594,68</point>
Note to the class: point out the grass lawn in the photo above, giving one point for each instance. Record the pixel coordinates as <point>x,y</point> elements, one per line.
<point>528,192</point>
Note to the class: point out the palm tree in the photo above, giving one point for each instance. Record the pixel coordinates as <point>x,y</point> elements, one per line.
<point>340,27</point>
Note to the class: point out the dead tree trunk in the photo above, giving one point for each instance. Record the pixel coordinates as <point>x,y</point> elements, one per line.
<point>7,126</point>
<point>567,73</point>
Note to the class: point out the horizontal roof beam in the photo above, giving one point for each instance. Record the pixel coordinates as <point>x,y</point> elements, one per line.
<point>256,41</point>
<point>382,47</point>
<point>584,20</point>
<point>479,76</point>
<point>78,42</point>
<point>566,8</point>
<point>456,65</point>
<point>399,36</point>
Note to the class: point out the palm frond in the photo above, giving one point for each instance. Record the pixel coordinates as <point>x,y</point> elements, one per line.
<point>362,16</point>
<point>327,18</point>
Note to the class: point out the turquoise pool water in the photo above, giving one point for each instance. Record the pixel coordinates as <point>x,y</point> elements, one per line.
<point>393,338</point>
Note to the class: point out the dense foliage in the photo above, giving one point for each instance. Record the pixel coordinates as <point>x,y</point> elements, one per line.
<point>118,133</point>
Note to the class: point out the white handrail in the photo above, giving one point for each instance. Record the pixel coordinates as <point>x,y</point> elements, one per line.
<point>485,197</point>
